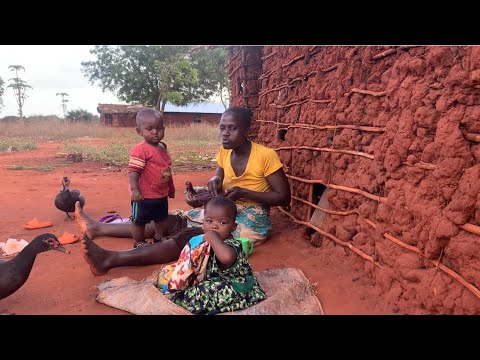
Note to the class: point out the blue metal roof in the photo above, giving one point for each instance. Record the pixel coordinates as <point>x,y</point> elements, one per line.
<point>203,108</point>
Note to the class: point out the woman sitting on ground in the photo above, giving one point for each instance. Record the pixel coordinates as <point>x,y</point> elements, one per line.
<point>249,174</point>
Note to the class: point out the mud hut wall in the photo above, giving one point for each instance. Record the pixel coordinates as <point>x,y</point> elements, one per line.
<point>422,108</point>
<point>244,69</point>
<point>124,119</point>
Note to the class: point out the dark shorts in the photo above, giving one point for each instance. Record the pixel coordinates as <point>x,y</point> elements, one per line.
<point>149,209</point>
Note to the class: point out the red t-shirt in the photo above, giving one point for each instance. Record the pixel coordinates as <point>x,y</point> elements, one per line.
<point>154,165</point>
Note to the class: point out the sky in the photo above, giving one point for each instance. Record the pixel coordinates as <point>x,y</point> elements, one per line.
<point>50,69</point>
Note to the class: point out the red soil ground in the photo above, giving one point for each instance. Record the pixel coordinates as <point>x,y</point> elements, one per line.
<point>63,284</point>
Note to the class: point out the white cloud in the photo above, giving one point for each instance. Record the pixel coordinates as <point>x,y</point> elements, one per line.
<point>50,69</point>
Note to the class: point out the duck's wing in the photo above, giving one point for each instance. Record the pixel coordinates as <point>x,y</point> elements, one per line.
<point>62,200</point>
<point>77,196</point>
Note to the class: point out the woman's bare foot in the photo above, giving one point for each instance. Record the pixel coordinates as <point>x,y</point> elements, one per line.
<point>95,256</point>
<point>88,226</point>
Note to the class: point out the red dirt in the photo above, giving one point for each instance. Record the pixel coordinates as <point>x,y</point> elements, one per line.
<point>63,284</point>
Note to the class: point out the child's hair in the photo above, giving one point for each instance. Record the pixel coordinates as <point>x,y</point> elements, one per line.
<point>222,201</point>
<point>244,114</point>
<point>147,112</point>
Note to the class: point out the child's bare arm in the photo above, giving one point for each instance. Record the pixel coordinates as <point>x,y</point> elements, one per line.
<point>225,254</point>
<point>133,178</point>
<point>171,188</point>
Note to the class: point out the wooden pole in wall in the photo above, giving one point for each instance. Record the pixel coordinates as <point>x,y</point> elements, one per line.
<point>310,199</point>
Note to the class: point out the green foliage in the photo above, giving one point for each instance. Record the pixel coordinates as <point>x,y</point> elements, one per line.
<point>176,77</point>
<point>213,77</point>
<point>24,167</point>
<point>64,101</point>
<point>19,87</point>
<point>81,115</point>
<point>155,75</point>
<point>12,144</point>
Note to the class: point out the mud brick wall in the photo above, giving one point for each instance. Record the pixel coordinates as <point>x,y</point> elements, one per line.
<point>244,68</point>
<point>392,136</point>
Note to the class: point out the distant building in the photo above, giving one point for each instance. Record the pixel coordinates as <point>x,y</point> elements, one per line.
<point>124,115</point>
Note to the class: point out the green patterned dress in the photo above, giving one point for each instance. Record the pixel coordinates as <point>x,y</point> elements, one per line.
<point>232,289</point>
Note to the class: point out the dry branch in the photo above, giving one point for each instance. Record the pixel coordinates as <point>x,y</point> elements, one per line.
<point>327,127</point>
<point>234,70</point>
<point>234,57</point>
<point>298,102</point>
<point>343,188</point>
<point>305,180</point>
<point>350,152</point>
<point>333,127</point>
<point>268,121</point>
<point>333,67</point>
<point>474,229</point>
<point>422,165</point>
<point>310,198</point>
<point>442,267</point>
<point>319,101</point>
<point>360,192</point>
<point>330,236</point>
<point>473,137</point>
<point>288,83</point>
<point>267,74</point>
<point>293,60</point>
<point>269,55</point>
<point>328,211</point>
<point>366,92</point>
<point>288,105</point>
<point>384,54</point>
<point>393,239</point>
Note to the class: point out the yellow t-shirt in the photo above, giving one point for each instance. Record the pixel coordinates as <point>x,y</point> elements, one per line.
<point>262,162</point>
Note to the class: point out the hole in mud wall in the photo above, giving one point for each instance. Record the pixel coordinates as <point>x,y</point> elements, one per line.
<point>320,198</point>
<point>240,86</point>
<point>281,134</point>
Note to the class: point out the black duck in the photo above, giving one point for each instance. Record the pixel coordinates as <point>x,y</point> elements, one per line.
<point>66,199</point>
<point>15,272</point>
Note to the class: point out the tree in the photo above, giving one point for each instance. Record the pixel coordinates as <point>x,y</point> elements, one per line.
<point>81,115</point>
<point>1,93</point>
<point>212,75</point>
<point>64,101</point>
<point>19,87</point>
<point>176,77</point>
<point>153,75</point>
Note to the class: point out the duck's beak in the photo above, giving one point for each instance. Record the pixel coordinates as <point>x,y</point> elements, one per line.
<point>61,249</point>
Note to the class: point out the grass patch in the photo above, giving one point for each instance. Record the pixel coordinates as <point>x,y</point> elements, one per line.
<point>51,128</point>
<point>16,144</point>
<point>117,154</point>
<point>188,144</point>
<point>110,154</point>
<point>24,167</point>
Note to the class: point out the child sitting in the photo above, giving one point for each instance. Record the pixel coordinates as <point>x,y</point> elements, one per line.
<point>213,274</point>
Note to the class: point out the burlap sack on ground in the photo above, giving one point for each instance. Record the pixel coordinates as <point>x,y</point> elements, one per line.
<point>288,293</point>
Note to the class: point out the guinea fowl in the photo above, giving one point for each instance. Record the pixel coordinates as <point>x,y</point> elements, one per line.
<point>15,272</point>
<point>196,197</point>
<point>66,199</point>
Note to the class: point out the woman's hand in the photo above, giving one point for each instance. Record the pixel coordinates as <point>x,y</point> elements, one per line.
<point>215,185</point>
<point>235,193</point>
